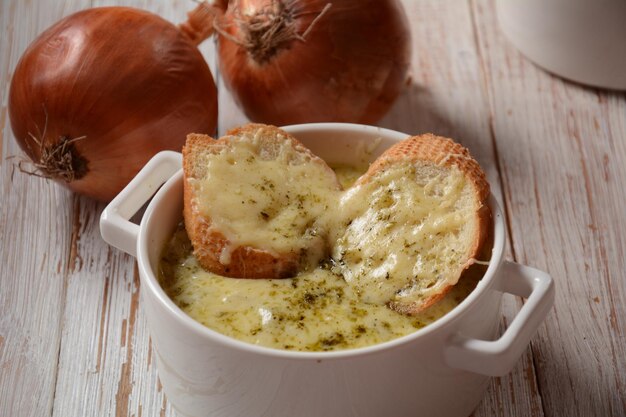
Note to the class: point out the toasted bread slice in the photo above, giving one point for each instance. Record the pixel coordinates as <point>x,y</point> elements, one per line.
<point>252,201</point>
<point>425,222</point>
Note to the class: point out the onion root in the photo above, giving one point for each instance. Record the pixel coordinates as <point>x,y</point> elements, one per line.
<point>59,160</point>
<point>268,30</point>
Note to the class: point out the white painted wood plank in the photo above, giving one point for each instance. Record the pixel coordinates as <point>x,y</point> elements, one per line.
<point>563,155</point>
<point>35,240</point>
<point>106,365</point>
<point>447,96</point>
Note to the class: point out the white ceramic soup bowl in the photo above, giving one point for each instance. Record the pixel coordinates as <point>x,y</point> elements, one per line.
<point>441,370</point>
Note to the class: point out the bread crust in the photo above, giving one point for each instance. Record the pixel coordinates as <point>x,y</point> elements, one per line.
<point>208,243</point>
<point>443,152</point>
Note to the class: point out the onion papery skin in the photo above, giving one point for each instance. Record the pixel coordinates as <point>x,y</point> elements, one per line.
<point>349,68</point>
<point>125,81</point>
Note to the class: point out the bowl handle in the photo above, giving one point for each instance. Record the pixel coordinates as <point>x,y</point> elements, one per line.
<point>497,358</point>
<point>116,228</point>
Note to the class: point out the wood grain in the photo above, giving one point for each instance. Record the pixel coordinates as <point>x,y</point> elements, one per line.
<point>562,152</point>
<point>35,238</point>
<point>73,336</point>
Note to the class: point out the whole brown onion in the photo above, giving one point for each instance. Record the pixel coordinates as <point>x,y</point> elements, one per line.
<point>296,61</point>
<point>101,91</point>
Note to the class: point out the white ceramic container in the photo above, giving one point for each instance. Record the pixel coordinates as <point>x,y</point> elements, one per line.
<point>582,40</point>
<point>440,370</point>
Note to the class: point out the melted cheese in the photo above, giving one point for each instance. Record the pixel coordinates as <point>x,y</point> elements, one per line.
<point>403,237</point>
<point>271,199</point>
<point>348,174</point>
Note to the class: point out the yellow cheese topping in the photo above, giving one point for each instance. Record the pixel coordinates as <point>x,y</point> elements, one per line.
<point>271,199</point>
<point>404,235</point>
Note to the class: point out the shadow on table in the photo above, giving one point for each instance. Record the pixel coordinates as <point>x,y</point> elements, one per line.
<point>414,112</point>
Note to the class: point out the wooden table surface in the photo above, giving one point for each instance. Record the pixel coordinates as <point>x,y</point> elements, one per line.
<point>73,337</point>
